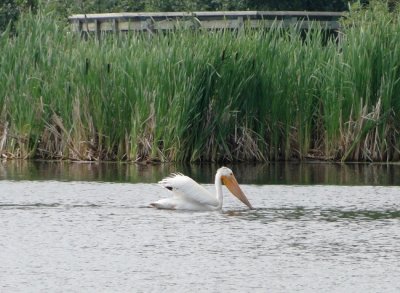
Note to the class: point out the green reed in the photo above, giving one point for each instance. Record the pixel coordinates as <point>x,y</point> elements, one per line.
<point>203,96</point>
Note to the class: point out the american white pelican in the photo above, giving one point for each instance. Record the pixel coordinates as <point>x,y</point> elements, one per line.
<point>189,195</point>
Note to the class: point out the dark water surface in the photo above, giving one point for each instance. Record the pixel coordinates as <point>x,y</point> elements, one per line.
<point>269,173</point>
<point>86,228</point>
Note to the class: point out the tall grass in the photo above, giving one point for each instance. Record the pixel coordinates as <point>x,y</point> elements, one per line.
<point>203,96</point>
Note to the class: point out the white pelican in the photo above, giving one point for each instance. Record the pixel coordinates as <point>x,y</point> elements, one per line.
<point>189,195</point>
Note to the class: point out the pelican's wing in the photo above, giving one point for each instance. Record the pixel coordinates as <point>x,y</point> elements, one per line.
<point>185,187</point>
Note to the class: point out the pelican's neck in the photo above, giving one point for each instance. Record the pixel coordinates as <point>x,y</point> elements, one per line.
<point>218,189</point>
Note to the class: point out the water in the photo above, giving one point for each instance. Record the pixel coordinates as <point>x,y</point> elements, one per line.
<point>97,236</point>
<point>271,173</point>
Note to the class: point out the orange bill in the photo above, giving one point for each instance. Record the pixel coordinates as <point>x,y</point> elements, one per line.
<point>233,186</point>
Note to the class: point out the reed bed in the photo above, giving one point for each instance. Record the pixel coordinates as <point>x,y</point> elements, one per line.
<point>203,96</point>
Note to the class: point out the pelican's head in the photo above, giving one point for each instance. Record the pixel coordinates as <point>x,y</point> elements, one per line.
<point>231,183</point>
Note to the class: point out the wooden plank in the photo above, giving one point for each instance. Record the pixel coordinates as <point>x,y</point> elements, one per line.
<point>206,14</point>
<point>115,28</point>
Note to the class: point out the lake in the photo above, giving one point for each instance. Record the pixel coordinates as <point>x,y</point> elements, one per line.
<point>80,227</point>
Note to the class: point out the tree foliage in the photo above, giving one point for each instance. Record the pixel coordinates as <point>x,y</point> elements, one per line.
<point>11,9</point>
<point>79,6</point>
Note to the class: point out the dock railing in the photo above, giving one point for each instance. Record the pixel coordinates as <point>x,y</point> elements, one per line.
<point>163,21</point>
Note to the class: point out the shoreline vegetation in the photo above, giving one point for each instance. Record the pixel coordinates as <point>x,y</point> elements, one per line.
<point>197,96</point>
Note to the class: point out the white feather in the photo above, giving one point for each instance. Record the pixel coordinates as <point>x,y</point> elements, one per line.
<point>186,189</point>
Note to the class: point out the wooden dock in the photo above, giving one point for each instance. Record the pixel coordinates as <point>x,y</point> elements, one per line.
<point>163,21</point>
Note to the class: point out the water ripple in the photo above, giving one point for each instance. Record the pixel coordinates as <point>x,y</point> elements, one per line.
<point>31,206</point>
<point>314,214</point>
<point>85,237</point>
